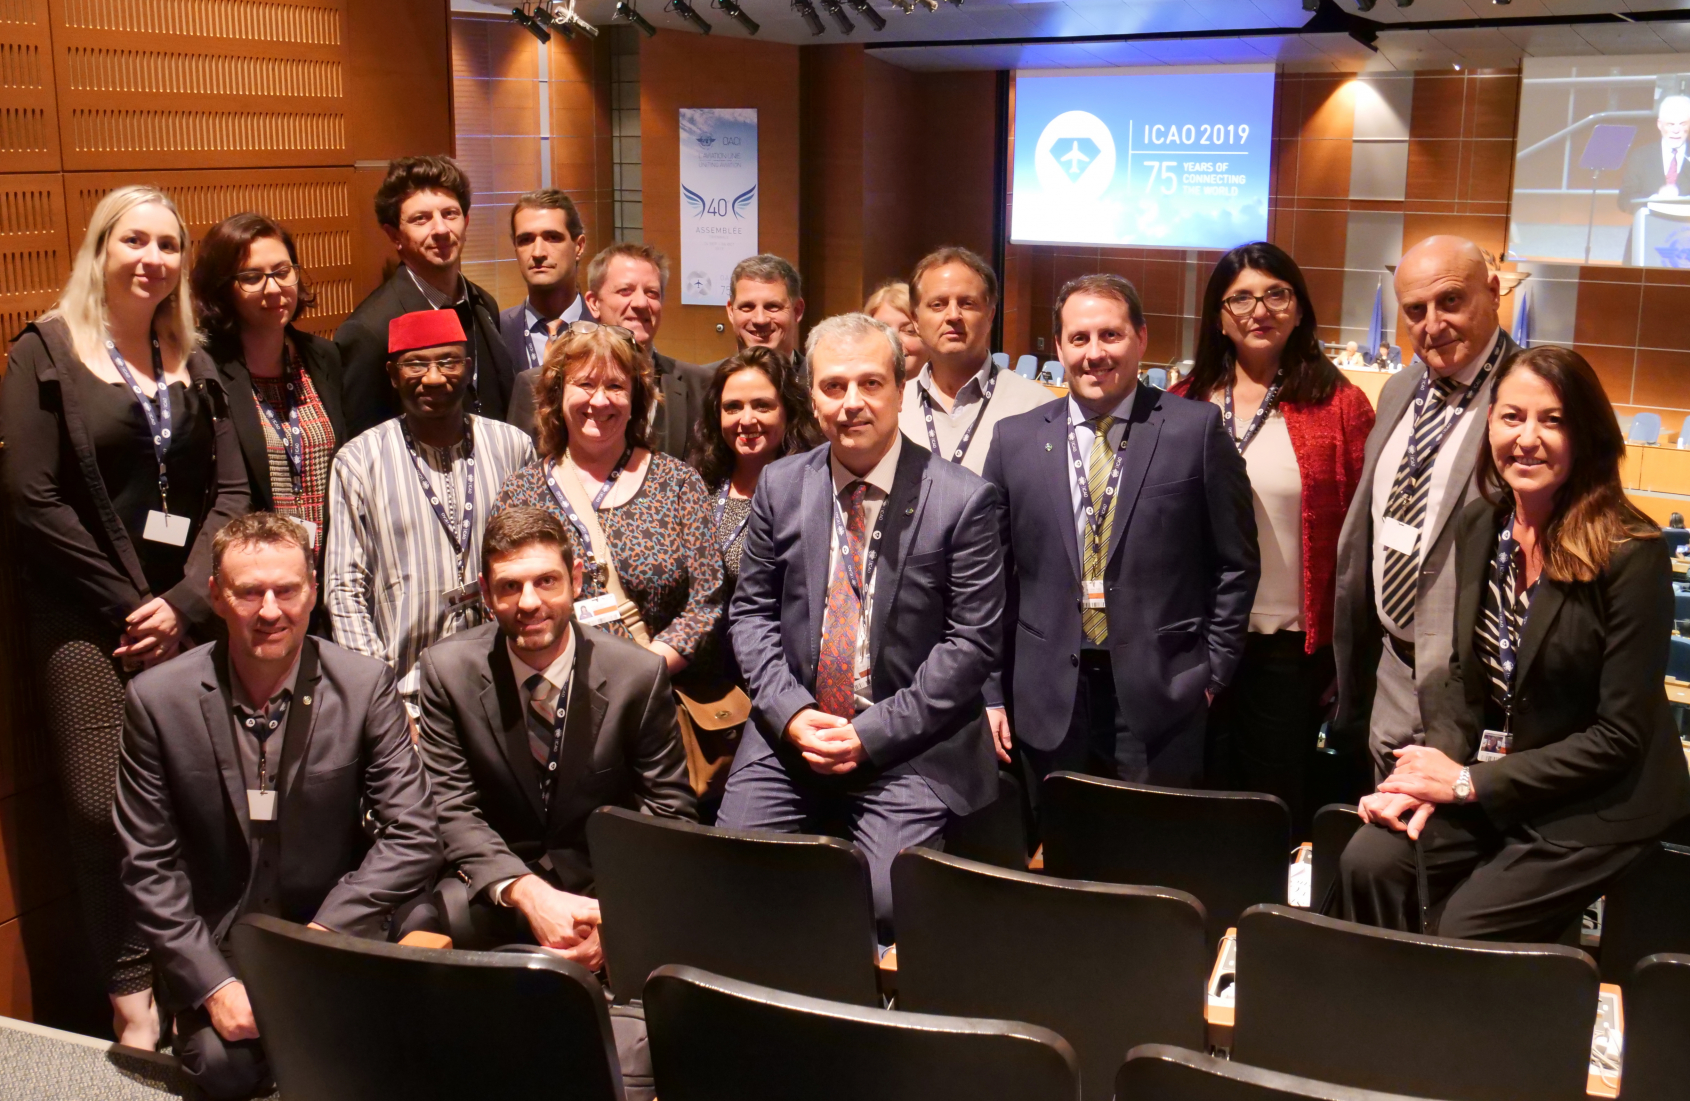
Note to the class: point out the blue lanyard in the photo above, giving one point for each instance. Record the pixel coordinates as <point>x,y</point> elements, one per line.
<point>1420,460</point>
<point>1094,517</point>
<point>1507,646</point>
<point>871,552</point>
<point>461,535</point>
<point>716,517</point>
<point>156,409</point>
<point>293,440</point>
<point>598,502</point>
<point>968,436</point>
<point>1269,400</point>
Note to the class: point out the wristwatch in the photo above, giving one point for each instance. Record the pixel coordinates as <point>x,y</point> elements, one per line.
<point>1464,786</point>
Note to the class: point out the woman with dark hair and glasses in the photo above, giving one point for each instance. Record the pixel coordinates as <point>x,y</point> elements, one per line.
<point>284,385</point>
<point>1550,762</point>
<point>1301,428</point>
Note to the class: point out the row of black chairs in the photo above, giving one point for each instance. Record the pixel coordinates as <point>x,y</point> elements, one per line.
<point>345,1019</point>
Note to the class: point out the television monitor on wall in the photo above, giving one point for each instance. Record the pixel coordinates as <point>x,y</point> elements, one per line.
<point>1597,161</point>
<point>1166,157</point>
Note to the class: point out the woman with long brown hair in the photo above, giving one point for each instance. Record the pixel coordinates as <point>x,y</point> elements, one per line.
<point>1550,761</point>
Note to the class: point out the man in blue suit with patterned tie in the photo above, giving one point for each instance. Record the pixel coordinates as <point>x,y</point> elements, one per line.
<point>866,620</point>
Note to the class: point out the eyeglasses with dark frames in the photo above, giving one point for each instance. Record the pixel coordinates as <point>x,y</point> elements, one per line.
<point>1243,304</point>
<point>285,275</point>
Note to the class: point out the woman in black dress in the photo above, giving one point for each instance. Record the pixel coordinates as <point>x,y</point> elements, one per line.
<point>120,466</point>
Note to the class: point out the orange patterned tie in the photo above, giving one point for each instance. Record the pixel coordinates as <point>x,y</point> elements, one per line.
<point>836,671</point>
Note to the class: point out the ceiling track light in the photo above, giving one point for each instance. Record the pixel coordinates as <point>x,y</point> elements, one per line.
<point>626,11</point>
<point>866,10</point>
<point>1365,5</point>
<point>558,21</point>
<point>530,24</point>
<point>737,14</point>
<point>930,5</point>
<point>905,6</point>
<point>807,11</point>
<point>840,19</point>
<point>686,11</point>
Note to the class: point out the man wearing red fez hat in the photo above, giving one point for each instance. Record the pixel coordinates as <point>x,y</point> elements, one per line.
<point>408,500</point>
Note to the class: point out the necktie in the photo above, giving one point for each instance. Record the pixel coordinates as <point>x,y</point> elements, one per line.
<point>836,671</point>
<point>1095,621</point>
<point>1408,504</point>
<point>1673,165</point>
<point>539,721</point>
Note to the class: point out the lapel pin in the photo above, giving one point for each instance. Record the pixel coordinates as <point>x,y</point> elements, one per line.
<point>1047,447</point>
<point>306,701</point>
<point>910,511</point>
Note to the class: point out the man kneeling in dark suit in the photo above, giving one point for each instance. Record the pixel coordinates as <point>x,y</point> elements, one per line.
<point>529,725</point>
<point>220,817</point>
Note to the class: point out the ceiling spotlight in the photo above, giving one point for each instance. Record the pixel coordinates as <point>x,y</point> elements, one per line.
<point>571,19</point>
<point>808,11</point>
<point>737,14</point>
<point>1365,5</point>
<point>687,12</point>
<point>842,20</point>
<point>905,6</point>
<point>930,5</point>
<point>559,21</point>
<point>531,24</point>
<point>866,10</point>
<point>625,11</point>
<point>1404,3</point>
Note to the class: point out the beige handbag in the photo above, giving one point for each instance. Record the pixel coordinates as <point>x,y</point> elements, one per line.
<point>710,728</point>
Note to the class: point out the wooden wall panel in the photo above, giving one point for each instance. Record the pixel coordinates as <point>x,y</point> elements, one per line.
<point>34,253</point>
<point>29,130</point>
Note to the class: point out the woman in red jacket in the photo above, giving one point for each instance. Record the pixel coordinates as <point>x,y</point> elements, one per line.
<point>1301,427</point>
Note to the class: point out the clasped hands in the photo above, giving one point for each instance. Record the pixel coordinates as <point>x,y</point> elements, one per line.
<point>829,743</point>
<point>1423,778</point>
<point>151,633</point>
<point>561,922</point>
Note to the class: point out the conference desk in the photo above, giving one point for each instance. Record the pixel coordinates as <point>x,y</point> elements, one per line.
<point>1369,380</point>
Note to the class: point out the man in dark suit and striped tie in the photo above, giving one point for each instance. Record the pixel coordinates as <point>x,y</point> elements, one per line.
<point>1395,611</point>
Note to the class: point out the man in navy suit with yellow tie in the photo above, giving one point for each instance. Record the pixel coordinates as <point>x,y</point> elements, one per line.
<point>1132,559</point>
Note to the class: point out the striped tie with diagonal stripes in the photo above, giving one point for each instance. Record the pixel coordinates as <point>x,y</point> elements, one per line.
<point>1095,621</point>
<point>1408,503</point>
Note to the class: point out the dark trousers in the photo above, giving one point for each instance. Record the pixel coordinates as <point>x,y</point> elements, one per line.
<point>1264,726</point>
<point>222,1070</point>
<point>1482,883</point>
<point>474,923</point>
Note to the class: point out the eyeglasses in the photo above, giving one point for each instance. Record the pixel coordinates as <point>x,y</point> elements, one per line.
<point>1243,304</point>
<point>285,275</point>
<point>582,328</point>
<point>447,365</point>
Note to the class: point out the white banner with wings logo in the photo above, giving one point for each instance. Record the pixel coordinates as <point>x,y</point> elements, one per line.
<point>718,199</point>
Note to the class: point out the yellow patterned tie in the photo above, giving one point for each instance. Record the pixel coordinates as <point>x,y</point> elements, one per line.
<point>1095,621</point>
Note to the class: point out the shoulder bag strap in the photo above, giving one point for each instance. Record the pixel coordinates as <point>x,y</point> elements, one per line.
<point>576,493</point>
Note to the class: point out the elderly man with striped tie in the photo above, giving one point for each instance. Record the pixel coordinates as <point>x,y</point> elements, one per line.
<point>1395,613</point>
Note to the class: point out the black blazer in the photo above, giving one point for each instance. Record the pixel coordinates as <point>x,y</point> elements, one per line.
<point>680,385</point>
<point>621,748</point>
<point>1595,759</point>
<point>74,541</point>
<point>1645,174</point>
<point>362,338</point>
<point>322,363</point>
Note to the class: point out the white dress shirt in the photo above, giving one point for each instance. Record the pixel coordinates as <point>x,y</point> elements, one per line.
<point>1013,394</point>
<point>1083,435</point>
<point>535,327</point>
<point>1442,475</point>
<point>557,677</point>
<point>879,488</point>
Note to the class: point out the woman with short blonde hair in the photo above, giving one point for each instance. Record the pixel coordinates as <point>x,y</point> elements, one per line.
<point>120,466</point>
<point>890,304</point>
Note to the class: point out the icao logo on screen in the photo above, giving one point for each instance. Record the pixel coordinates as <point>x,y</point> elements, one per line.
<point>1075,156</point>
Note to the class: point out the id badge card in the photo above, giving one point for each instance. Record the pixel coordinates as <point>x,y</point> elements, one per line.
<point>310,529</point>
<point>163,527</point>
<point>1092,597</point>
<point>600,609</point>
<point>463,596</point>
<point>1494,745</point>
<point>260,805</point>
<point>1399,536</point>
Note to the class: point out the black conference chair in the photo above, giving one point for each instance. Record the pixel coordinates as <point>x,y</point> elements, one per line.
<point>788,910</point>
<point>996,833</point>
<point>1105,965</point>
<point>1657,1021</point>
<point>1159,1072</point>
<point>1334,825</point>
<point>346,1019</point>
<point>716,1039</point>
<point>1426,1016</point>
<point>1231,849</point>
<point>1648,911</point>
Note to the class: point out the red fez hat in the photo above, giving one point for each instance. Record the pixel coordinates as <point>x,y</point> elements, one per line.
<point>424,329</point>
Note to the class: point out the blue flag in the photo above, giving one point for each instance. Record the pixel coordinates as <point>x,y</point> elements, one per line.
<point>1522,333</point>
<point>1376,327</point>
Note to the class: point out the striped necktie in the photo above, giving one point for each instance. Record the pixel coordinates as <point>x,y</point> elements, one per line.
<point>539,721</point>
<point>1095,621</point>
<point>1408,503</point>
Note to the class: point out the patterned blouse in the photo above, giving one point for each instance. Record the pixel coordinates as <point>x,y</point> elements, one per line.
<point>281,395</point>
<point>669,565</point>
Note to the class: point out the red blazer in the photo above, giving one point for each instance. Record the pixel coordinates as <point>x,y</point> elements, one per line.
<point>1330,441</point>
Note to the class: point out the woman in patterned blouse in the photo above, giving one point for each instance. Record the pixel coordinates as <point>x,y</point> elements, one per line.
<point>593,407</point>
<point>284,385</point>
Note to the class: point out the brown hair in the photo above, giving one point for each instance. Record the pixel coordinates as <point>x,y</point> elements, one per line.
<point>766,267</point>
<point>512,529</point>
<point>1592,514</point>
<point>710,452</point>
<point>549,198</point>
<point>568,356</point>
<point>213,278</point>
<point>600,264</point>
<point>1099,286</point>
<point>953,254</point>
<point>409,175</point>
<point>261,529</point>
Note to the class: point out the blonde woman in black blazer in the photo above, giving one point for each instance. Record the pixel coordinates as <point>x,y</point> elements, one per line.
<point>1550,760</point>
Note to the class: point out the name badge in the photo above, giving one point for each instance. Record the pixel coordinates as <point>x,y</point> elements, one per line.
<point>310,529</point>
<point>163,527</point>
<point>1399,536</point>
<point>260,805</point>
<point>1093,597</point>
<point>600,609</point>
<point>462,596</point>
<point>1494,745</point>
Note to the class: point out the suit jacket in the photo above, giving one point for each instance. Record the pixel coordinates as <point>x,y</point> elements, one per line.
<point>368,395</point>
<point>680,385</point>
<point>621,748</point>
<point>1357,634</point>
<point>322,363</point>
<point>181,810</point>
<point>1179,581</point>
<point>935,631</point>
<point>1645,174</point>
<point>515,337</point>
<point>1595,758</point>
